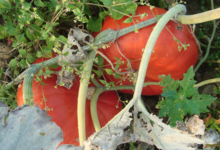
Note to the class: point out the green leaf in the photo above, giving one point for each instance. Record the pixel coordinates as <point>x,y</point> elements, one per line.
<point>132,11</point>
<point>87,10</point>
<point>37,79</point>
<point>48,27</point>
<point>39,3</point>
<point>54,66</point>
<point>109,71</point>
<point>55,24</point>
<point>103,14</point>
<point>47,49</point>
<point>99,60</point>
<point>40,73</point>
<point>182,98</point>
<point>77,11</point>
<point>1,5</point>
<point>49,43</point>
<point>107,2</point>
<point>3,32</point>
<point>6,3</point>
<point>13,63</point>
<point>188,82</point>
<point>23,63</point>
<point>31,43</point>
<point>62,38</point>
<point>116,75</point>
<point>53,2</point>
<point>117,63</point>
<point>52,38</point>
<point>26,5</point>
<point>168,82</point>
<point>95,24</point>
<point>21,38</point>
<point>162,4</point>
<point>39,54</point>
<point>126,9</point>
<point>66,53</point>
<point>58,7</point>
<point>33,32</point>
<point>39,22</point>
<point>30,58</point>
<point>22,52</point>
<point>99,72</point>
<point>12,31</point>
<point>198,104</point>
<point>71,6</point>
<point>103,81</point>
<point>48,72</point>
<point>128,20</point>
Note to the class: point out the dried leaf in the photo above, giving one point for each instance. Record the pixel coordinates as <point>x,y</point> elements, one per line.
<point>66,77</point>
<point>153,131</point>
<point>110,136</point>
<point>193,126</point>
<point>69,147</point>
<point>76,40</point>
<point>90,92</point>
<point>207,120</point>
<point>28,128</point>
<point>211,137</point>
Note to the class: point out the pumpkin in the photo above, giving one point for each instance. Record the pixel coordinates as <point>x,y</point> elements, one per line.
<point>166,57</point>
<point>64,105</point>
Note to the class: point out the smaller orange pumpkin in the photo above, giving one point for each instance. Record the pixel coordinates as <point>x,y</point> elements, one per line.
<point>63,103</point>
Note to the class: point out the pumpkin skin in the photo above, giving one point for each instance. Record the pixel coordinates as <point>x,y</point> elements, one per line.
<point>165,59</point>
<point>64,104</point>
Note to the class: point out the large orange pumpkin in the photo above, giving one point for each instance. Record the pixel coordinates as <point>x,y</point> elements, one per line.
<point>165,59</point>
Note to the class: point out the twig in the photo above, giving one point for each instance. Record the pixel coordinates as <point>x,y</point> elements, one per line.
<point>209,40</point>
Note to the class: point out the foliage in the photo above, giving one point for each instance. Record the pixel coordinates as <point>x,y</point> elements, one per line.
<point>8,96</point>
<point>185,100</point>
<point>29,25</point>
<point>33,28</point>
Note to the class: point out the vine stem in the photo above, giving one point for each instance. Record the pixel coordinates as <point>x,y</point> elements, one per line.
<point>93,108</point>
<point>29,76</point>
<point>199,18</point>
<point>150,45</point>
<point>209,42</point>
<point>206,82</point>
<point>82,97</point>
<point>99,90</point>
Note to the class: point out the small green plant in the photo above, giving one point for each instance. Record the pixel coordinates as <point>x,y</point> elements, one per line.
<point>182,98</point>
<point>8,96</point>
<point>202,5</point>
